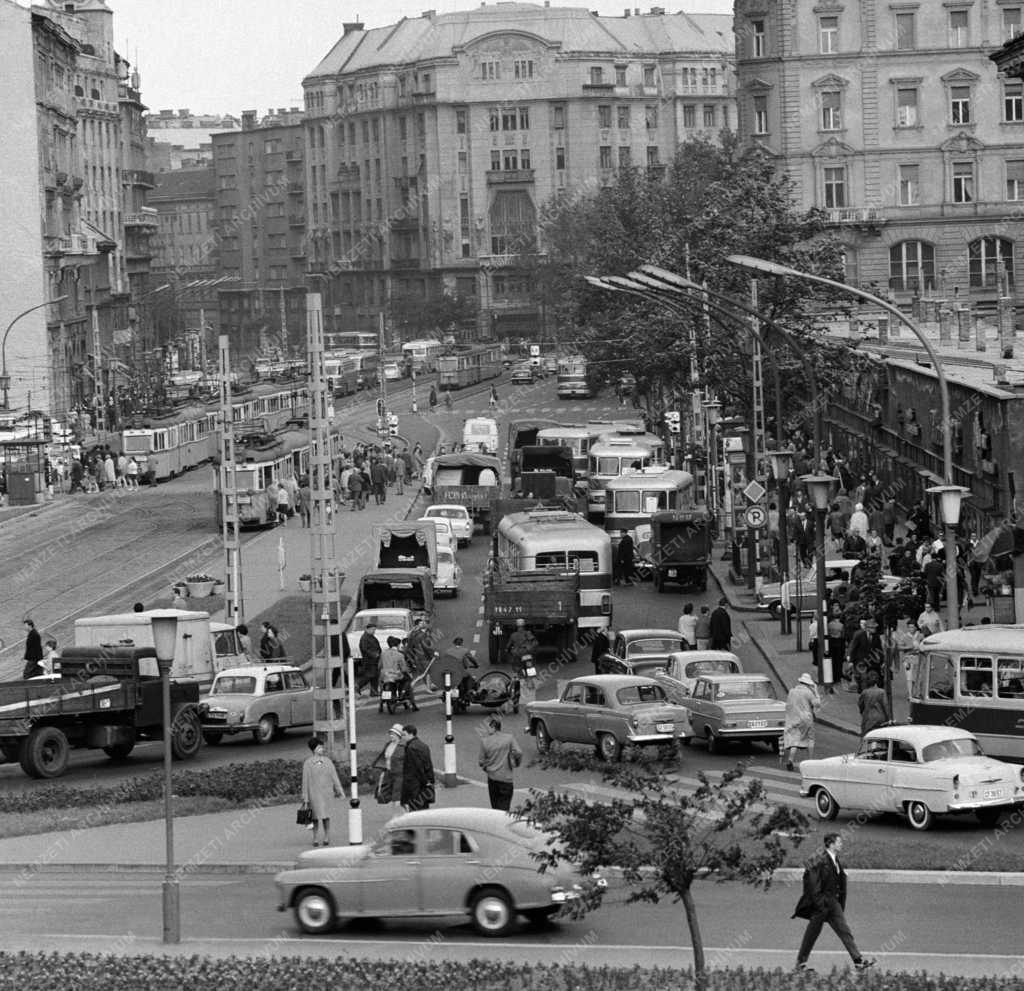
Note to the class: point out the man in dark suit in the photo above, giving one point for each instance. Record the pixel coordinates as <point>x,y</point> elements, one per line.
<point>721,626</point>
<point>824,900</point>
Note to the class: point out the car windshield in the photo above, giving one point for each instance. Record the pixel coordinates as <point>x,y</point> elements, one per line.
<point>233,685</point>
<point>697,668</point>
<point>639,694</point>
<point>653,645</point>
<point>386,619</point>
<point>647,668</point>
<point>450,514</point>
<point>964,747</point>
<point>754,688</point>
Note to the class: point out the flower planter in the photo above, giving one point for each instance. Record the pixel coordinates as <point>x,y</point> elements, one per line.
<point>200,590</point>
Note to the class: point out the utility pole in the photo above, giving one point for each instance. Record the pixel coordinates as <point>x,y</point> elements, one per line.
<point>757,446</point>
<point>99,406</point>
<point>229,489</point>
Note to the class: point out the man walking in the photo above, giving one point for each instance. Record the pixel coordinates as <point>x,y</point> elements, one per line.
<point>417,772</point>
<point>500,755</point>
<point>824,900</point>
<point>721,626</point>
<point>33,651</point>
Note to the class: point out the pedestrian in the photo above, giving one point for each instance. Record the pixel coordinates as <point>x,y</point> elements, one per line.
<point>432,399</point>
<point>133,473</point>
<point>493,401</point>
<point>908,642</point>
<point>417,772</point>
<point>355,487</point>
<point>305,501</point>
<point>369,660</point>
<point>866,652</point>
<point>600,645</point>
<point>244,639</point>
<point>320,784</point>
<point>393,673</point>
<point>824,900</point>
<point>179,601</point>
<point>702,630</point>
<point>419,652</point>
<point>688,626</point>
<point>109,472</point>
<point>836,643</point>
<point>500,755</point>
<point>859,523</point>
<point>625,564</point>
<point>50,664</point>
<point>283,504</point>
<point>33,651</point>
<point>721,626</point>
<point>802,703</point>
<point>379,481</point>
<point>930,621</point>
<point>873,706</point>
<point>390,763</point>
<point>271,647</point>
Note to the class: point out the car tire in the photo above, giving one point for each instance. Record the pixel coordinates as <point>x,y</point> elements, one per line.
<point>211,738</point>
<point>608,748</point>
<point>265,730</point>
<point>314,911</point>
<point>773,610</point>
<point>775,744</point>
<point>919,816</point>
<point>492,912</point>
<point>714,744</point>
<point>825,805</point>
<point>45,753</point>
<point>542,736</point>
<point>119,751</point>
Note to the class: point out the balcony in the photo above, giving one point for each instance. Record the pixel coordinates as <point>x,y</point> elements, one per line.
<point>70,244</point>
<point>295,155</point>
<point>405,264</point>
<point>855,216</point>
<point>97,106</point>
<point>599,87</point>
<point>296,188</point>
<point>497,177</point>
<point>423,97</point>
<point>296,220</point>
<point>405,223</point>
<point>146,218</point>
<point>138,177</point>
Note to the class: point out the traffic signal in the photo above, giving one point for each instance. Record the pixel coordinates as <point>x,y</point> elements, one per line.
<point>673,421</point>
<point>380,407</point>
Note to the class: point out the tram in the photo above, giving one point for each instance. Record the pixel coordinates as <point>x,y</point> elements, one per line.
<point>468,366</point>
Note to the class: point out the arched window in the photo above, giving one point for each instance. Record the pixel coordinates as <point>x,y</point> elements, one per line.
<point>990,257</point>
<point>912,266</point>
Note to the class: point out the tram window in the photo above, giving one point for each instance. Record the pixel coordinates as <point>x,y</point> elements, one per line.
<point>245,479</point>
<point>159,440</point>
<point>1011,677</point>
<point>585,561</point>
<point>941,677</point>
<point>976,676</point>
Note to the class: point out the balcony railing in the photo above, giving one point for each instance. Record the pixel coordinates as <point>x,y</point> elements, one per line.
<point>296,220</point>
<point>853,215</point>
<point>499,176</point>
<point>295,155</point>
<point>405,263</point>
<point>146,217</point>
<point>296,188</point>
<point>139,177</point>
<point>71,244</point>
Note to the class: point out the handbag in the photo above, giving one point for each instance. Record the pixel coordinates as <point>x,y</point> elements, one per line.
<point>303,815</point>
<point>382,790</point>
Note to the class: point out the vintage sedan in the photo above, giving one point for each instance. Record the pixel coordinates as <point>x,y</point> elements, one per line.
<point>264,699</point>
<point>920,771</point>
<point>608,711</point>
<point>458,516</point>
<point>801,596</point>
<point>439,862</point>
<point>448,580</point>
<point>640,651</point>
<point>682,669</point>
<point>726,708</point>
<point>389,623</point>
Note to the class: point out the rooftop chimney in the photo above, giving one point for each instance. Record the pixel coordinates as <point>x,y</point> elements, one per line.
<point>350,26</point>
<point>248,120</point>
<point>429,14</point>
<point>184,113</point>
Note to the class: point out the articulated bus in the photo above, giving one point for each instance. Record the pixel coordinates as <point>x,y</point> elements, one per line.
<point>557,541</point>
<point>973,679</point>
<point>576,438</point>
<point>631,499</point>
<point>612,456</point>
<point>573,378</point>
<point>423,354</point>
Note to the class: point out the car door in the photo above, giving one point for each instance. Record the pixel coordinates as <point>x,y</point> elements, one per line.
<point>910,780</point>
<point>698,704</point>
<point>596,715</point>
<point>301,696</point>
<point>567,723</point>
<point>867,776</point>
<point>450,860</point>
<point>388,881</point>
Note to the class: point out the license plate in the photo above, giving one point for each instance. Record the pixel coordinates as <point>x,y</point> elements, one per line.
<point>993,793</point>
<point>671,572</point>
<point>757,723</point>
<point>386,695</point>
<point>665,727</point>
<point>530,671</point>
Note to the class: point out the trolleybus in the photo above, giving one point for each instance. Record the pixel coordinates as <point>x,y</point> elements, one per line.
<point>576,438</point>
<point>423,354</point>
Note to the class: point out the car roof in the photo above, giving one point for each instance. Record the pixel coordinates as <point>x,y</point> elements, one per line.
<point>688,656</point>
<point>641,632</point>
<point>485,820</point>
<point>920,735</point>
<point>251,670</point>
<point>444,505</point>
<point>382,611</point>
<point>730,679</point>
<point>612,681</point>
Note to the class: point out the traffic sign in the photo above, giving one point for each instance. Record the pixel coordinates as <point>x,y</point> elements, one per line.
<point>756,516</point>
<point>755,491</point>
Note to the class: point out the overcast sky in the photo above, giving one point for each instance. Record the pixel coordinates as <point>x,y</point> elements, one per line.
<point>232,55</point>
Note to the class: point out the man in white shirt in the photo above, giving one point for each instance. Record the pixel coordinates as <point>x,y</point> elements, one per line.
<point>688,626</point>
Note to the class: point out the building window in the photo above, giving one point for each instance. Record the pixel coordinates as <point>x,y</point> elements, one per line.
<point>625,157</point>
<point>906,106</point>
<point>912,266</point>
<point>559,158</point>
<point>620,75</point>
<point>963,182</point>
<point>989,259</point>
<point>649,80</point>
<point>958,28</point>
<point>559,118</point>
<point>760,114</point>
<point>651,117</point>
<point>960,104</point>
<point>495,160</point>
<point>653,156</point>
<point>494,116</point>
<point>758,39</point>
<point>835,187</point>
<point>1015,180</point>
<point>490,69</point>
<point>906,32</point>
<point>524,118</point>
<point>524,158</point>
<point>366,132</point>
<point>421,125</point>
<point>604,116</point>
<point>596,75</point>
<point>460,122</point>
<point>910,185</point>
<point>689,115</point>
<point>831,118</point>
<point>463,163</point>
<point>828,35</point>
<point>1011,23</point>
<point>605,157</point>
<point>510,160</point>
<point>1013,102</point>
<point>622,117</point>
<point>709,115</point>
<point>522,68</point>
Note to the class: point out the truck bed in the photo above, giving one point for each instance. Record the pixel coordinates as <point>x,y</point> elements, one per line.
<point>22,701</point>
<point>532,596</point>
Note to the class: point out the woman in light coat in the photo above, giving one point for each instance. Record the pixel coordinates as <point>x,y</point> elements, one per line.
<point>320,785</point>
<point>802,703</point>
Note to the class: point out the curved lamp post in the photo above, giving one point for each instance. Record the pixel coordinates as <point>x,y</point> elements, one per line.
<point>818,489</point>
<point>5,379</point>
<point>773,268</point>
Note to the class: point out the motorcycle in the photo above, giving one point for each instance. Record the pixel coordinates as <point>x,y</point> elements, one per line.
<point>494,689</point>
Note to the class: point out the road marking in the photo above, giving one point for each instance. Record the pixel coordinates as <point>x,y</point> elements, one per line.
<point>479,623</point>
<point>476,638</point>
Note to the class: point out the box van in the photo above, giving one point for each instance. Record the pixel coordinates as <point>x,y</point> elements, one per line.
<point>481,434</point>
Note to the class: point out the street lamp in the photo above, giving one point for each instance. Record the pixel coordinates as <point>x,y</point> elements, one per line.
<point>5,379</point>
<point>819,487</point>
<point>782,462</point>
<point>713,414</point>
<point>773,268</point>
<point>165,635</point>
<point>951,498</point>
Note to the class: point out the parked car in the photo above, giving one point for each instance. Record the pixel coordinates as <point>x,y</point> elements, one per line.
<point>522,374</point>
<point>550,364</point>
<point>640,651</point>
<point>264,699</point>
<point>458,516</point>
<point>448,580</point>
<point>730,707</point>
<point>608,711</point>
<point>392,371</point>
<point>684,667</point>
<point>438,862</point>
<point>445,530</point>
<point>802,595</point>
<point>921,771</point>
<point>390,623</point>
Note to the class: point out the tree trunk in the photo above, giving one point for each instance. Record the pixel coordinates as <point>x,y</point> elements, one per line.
<point>700,974</point>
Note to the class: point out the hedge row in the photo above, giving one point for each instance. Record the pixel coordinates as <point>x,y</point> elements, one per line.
<point>265,780</point>
<point>89,972</point>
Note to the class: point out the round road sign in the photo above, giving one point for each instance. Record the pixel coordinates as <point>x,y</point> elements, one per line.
<point>756,516</point>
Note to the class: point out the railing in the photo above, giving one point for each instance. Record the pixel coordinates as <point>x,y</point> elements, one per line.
<point>146,217</point>
<point>853,215</point>
<point>71,244</point>
<point>498,176</point>
<point>295,155</point>
<point>139,177</point>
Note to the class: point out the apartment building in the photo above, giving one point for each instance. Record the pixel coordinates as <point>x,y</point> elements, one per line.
<point>433,144</point>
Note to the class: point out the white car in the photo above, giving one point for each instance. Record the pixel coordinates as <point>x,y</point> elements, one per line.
<point>390,623</point>
<point>481,434</point>
<point>920,771</point>
<point>445,530</point>
<point>262,699</point>
<point>458,516</point>
<point>449,574</point>
<point>683,667</point>
<point>392,371</point>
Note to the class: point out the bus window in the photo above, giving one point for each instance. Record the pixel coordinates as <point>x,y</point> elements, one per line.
<point>976,676</point>
<point>1011,677</point>
<point>551,559</point>
<point>607,466</point>
<point>626,501</point>
<point>586,561</point>
<point>940,676</point>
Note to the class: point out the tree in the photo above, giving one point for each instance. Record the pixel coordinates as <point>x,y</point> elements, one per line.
<point>662,839</point>
<point>416,316</point>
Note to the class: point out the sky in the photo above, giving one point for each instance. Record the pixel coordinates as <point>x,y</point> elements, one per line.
<point>227,56</point>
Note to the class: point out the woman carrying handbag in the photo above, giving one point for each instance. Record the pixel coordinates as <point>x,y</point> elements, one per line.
<point>320,784</point>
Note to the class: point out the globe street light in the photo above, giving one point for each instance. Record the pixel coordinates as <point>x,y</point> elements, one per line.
<point>773,268</point>
<point>819,487</point>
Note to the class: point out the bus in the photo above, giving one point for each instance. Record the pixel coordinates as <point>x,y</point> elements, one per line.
<point>351,340</point>
<point>573,378</point>
<point>973,678</point>
<point>576,438</point>
<point>468,366</point>
<point>612,456</point>
<point>558,541</point>
<point>422,355</point>
<point>349,371</point>
<point>635,496</point>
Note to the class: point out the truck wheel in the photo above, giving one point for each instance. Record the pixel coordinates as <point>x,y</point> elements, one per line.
<point>119,750</point>
<point>45,753</point>
<point>186,733</point>
<point>265,730</point>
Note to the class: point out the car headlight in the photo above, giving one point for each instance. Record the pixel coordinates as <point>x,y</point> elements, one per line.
<point>560,895</point>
